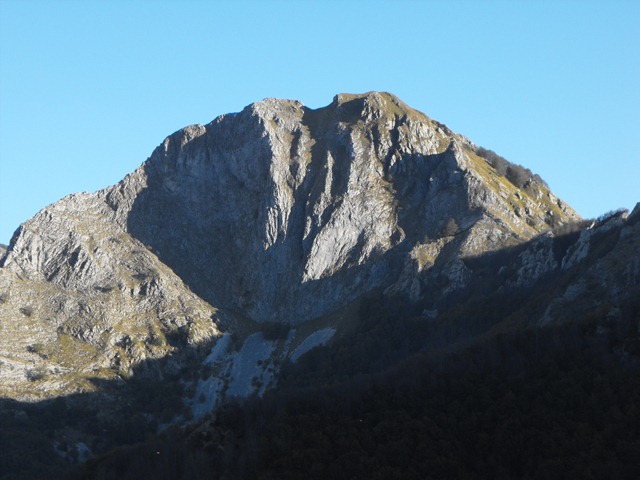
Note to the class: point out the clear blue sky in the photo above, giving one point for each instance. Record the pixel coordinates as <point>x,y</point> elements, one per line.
<point>88,89</point>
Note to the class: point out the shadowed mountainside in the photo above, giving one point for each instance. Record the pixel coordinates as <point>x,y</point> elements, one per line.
<point>495,339</point>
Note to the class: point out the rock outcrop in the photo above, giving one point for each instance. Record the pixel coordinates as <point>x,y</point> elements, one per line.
<point>279,213</point>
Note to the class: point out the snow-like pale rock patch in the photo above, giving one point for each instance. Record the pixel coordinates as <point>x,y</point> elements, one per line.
<point>218,349</point>
<point>237,374</point>
<point>314,340</point>
<point>249,372</point>
<point>240,374</point>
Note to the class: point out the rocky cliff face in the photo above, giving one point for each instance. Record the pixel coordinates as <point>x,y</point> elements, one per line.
<point>81,299</point>
<point>278,213</point>
<point>281,213</point>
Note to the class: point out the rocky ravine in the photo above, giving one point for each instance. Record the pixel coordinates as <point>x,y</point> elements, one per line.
<point>278,213</point>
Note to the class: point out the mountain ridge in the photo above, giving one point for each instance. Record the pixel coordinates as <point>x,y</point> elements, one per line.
<point>240,246</point>
<point>289,206</point>
<point>278,213</point>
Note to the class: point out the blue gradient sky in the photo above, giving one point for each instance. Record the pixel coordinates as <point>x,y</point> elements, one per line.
<point>88,89</point>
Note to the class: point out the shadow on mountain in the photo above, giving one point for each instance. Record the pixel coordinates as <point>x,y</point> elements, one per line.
<point>479,390</point>
<point>43,439</point>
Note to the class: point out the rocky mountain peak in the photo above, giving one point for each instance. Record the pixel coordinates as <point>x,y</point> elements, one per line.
<point>281,213</point>
<point>278,213</point>
<point>212,271</point>
<point>377,103</point>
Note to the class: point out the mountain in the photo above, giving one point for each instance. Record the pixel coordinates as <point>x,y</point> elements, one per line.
<point>239,248</point>
<point>278,214</point>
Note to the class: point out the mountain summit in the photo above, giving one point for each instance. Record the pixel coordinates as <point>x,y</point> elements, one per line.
<point>285,249</point>
<point>278,214</point>
<point>283,213</point>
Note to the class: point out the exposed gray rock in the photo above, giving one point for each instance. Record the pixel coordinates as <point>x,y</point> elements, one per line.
<point>578,251</point>
<point>611,268</point>
<point>282,213</point>
<point>82,299</point>
<point>535,262</point>
<point>277,213</point>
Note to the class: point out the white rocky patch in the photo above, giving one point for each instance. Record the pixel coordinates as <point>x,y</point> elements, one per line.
<point>248,372</point>
<point>218,349</point>
<point>314,340</point>
<point>238,374</point>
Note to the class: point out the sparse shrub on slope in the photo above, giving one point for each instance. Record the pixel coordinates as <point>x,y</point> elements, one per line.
<point>516,174</point>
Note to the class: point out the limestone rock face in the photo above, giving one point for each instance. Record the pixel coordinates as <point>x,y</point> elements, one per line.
<point>282,213</point>
<point>279,213</point>
<point>80,299</point>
